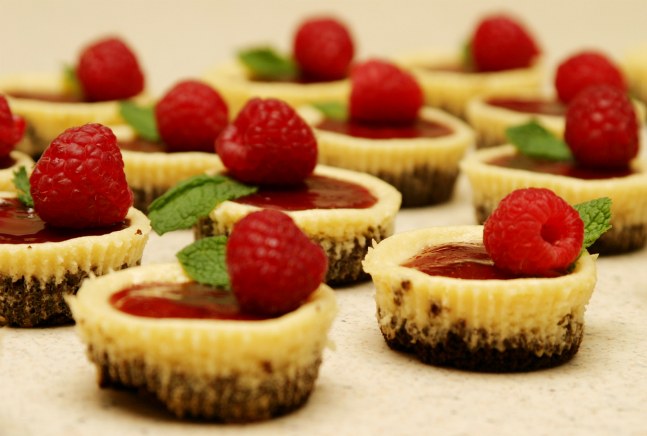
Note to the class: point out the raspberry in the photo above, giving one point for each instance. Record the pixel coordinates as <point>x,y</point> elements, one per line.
<point>501,43</point>
<point>323,48</point>
<point>601,128</point>
<point>191,116</point>
<point>108,70</point>
<point>268,143</point>
<point>383,93</point>
<point>272,264</point>
<point>79,180</point>
<point>12,127</point>
<point>586,69</point>
<point>533,232</point>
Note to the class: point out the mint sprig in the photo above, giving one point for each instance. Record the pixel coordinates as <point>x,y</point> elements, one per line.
<point>535,141</point>
<point>265,63</point>
<point>141,119</point>
<point>182,206</point>
<point>596,215</point>
<point>21,182</point>
<point>205,261</point>
<point>71,81</point>
<point>333,109</point>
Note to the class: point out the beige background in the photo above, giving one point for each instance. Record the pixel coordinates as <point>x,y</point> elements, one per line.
<point>178,39</point>
<point>47,386</point>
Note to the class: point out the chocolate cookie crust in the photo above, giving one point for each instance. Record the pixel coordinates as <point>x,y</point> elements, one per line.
<point>231,398</point>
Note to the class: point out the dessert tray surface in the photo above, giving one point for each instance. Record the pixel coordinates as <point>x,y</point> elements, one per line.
<point>49,387</point>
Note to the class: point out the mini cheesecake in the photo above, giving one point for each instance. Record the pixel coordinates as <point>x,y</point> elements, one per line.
<point>49,107</point>
<point>491,116</point>
<point>341,210</point>
<point>151,171</point>
<point>420,160</point>
<point>634,67</point>
<point>152,329</point>
<point>447,85</point>
<point>40,264</point>
<point>237,86</point>
<point>439,296</point>
<point>495,172</point>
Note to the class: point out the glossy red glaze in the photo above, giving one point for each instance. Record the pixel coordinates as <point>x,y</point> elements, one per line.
<point>179,300</point>
<point>316,192</point>
<point>49,97</point>
<point>461,261</point>
<point>6,162</point>
<point>20,225</point>
<point>529,106</point>
<point>143,146</point>
<point>419,129</point>
<point>561,168</point>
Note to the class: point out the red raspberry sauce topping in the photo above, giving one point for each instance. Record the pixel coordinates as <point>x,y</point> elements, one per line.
<point>560,168</point>
<point>180,300</point>
<point>459,261</point>
<point>529,106</point>
<point>419,129</point>
<point>316,192</point>
<point>20,225</point>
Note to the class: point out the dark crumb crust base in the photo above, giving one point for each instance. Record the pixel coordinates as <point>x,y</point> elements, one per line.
<point>344,265</point>
<point>423,185</point>
<point>520,353</point>
<point>142,198</point>
<point>34,302</point>
<point>616,240</point>
<point>223,398</point>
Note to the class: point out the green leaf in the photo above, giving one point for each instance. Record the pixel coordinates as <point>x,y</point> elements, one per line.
<point>596,215</point>
<point>21,182</point>
<point>534,141</point>
<point>71,81</point>
<point>333,109</point>
<point>182,206</point>
<point>467,57</point>
<point>141,119</point>
<point>265,63</point>
<point>205,261</point>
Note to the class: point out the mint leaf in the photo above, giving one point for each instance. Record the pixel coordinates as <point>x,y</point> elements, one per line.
<point>141,119</point>
<point>21,182</point>
<point>333,110</point>
<point>182,206</point>
<point>467,57</point>
<point>71,81</point>
<point>265,63</point>
<point>596,215</point>
<point>205,261</point>
<point>533,140</point>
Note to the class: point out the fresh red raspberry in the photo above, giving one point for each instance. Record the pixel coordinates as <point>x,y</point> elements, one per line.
<point>602,128</point>
<point>533,232</point>
<point>383,93</point>
<point>500,43</point>
<point>191,116</point>
<point>268,143</point>
<point>12,128</point>
<point>79,180</point>
<point>273,266</point>
<point>323,48</point>
<point>586,69</point>
<point>108,70</point>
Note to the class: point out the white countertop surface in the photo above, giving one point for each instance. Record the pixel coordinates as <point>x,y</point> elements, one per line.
<point>48,387</point>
